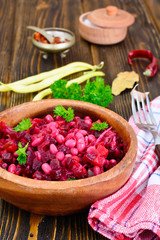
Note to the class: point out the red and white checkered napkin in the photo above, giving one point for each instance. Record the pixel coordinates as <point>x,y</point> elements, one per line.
<point>133,212</point>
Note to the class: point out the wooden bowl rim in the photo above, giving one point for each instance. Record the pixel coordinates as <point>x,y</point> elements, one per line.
<point>53,185</point>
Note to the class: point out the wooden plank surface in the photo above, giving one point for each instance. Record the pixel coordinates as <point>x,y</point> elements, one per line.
<point>154,10</point>
<point>19,59</point>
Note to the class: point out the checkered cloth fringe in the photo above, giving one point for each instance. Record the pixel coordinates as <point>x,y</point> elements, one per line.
<point>133,212</point>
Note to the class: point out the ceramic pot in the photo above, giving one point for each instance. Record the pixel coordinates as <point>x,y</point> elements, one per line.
<point>105,26</point>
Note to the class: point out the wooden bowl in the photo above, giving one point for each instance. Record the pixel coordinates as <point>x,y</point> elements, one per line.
<point>62,198</point>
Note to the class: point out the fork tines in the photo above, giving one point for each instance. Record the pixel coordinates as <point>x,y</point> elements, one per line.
<point>144,109</point>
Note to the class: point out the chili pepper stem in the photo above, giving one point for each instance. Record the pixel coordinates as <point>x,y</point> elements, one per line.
<point>147,73</point>
<point>152,69</point>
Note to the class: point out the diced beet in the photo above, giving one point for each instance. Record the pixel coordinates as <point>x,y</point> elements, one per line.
<point>46,156</point>
<point>7,157</point>
<point>59,118</point>
<point>1,162</point>
<point>55,164</point>
<point>111,154</point>
<point>79,171</point>
<point>28,172</point>
<point>63,148</point>
<point>36,164</point>
<point>64,174</point>
<point>90,173</point>
<point>56,174</point>
<point>106,165</point>
<point>97,134</point>
<point>4,165</point>
<point>38,175</point>
<point>6,145</point>
<point>30,157</point>
<point>18,170</point>
<point>99,161</point>
<point>52,140</point>
<point>28,137</point>
<point>102,150</point>
<point>47,177</point>
<point>21,134</point>
<point>88,157</point>
<point>12,148</point>
<point>69,163</point>
<point>92,150</point>
<point>76,158</point>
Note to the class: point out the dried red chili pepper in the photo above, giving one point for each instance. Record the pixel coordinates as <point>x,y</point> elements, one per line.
<point>152,68</point>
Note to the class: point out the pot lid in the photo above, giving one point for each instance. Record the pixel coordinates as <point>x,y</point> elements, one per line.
<point>111,17</point>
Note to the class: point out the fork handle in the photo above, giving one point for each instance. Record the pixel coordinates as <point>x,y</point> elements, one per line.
<point>157,148</point>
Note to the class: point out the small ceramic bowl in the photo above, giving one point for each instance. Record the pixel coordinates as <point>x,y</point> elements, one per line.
<point>105,26</point>
<point>66,197</point>
<point>62,48</point>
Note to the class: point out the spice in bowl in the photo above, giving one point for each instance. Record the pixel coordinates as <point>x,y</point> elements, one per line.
<point>56,40</point>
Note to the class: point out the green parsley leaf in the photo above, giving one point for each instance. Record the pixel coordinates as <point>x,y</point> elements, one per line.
<point>94,91</point>
<point>99,126</point>
<point>60,91</point>
<point>68,114</point>
<point>22,155</point>
<point>59,111</point>
<point>25,124</point>
<point>74,91</point>
<point>71,179</point>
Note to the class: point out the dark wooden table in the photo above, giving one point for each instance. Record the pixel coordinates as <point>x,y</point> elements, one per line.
<point>19,59</point>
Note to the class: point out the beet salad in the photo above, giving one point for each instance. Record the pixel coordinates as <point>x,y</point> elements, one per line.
<point>59,147</point>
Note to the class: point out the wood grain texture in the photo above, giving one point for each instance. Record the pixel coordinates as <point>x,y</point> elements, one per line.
<point>18,59</point>
<point>154,10</point>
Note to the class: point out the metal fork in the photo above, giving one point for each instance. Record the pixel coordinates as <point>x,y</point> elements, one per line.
<point>143,117</point>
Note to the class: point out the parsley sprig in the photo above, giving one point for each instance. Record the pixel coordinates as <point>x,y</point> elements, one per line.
<point>22,155</point>
<point>25,124</point>
<point>94,91</point>
<point>67,114</point>
<point>99,126</point>
<point>71,179</point>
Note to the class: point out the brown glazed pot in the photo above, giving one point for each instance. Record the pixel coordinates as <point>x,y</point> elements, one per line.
<point>62,198</point>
